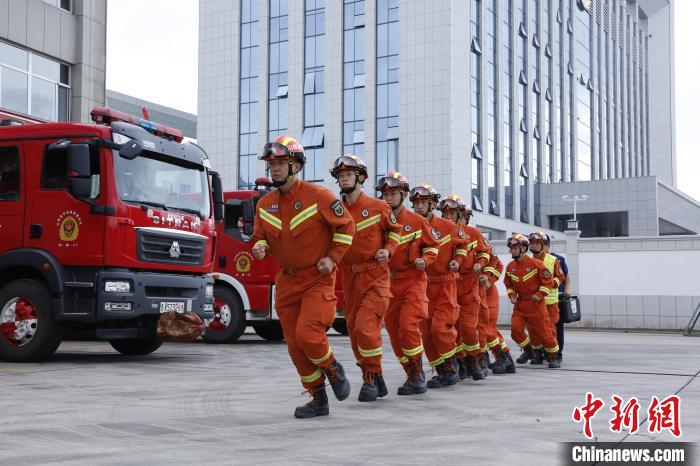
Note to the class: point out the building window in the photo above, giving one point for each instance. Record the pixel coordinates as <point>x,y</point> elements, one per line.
<point>354,77</point>
<point>523,147</point>
<point>507,67</point>
<point>313,136</point>
<point>33,85</point>
<point>248,115</point>
<point>492,152</point>
<point>62,4</point>
<point>476,107</point>
<point>278,84</point>
<point>387,86</point>
<point>584,96</point>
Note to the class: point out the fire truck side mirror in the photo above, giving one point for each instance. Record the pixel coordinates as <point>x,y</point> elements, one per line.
<point>248,211</point>
<point>218,194</point>
<point>79,183</point>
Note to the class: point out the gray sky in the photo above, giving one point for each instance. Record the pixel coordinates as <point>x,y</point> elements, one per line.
<point>158,38</point>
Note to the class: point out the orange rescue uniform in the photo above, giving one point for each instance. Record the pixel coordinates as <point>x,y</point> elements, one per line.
<point>366,282</point>
<point>299,228</point>
<point>469,291</point>
<point>526,280</point>
<point>439,331</point>
<point>408,307</point>
<point>493,272</point>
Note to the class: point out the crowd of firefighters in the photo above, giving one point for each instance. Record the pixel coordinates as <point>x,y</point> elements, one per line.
<point>429,280</point>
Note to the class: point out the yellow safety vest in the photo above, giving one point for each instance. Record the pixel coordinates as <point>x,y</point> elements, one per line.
<point>553,295</point>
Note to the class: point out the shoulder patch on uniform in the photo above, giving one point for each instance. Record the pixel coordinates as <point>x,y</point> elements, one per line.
<point>337,208</point>
<point>462,234</point>
<point>436,234</point>
<point>487,243</point>
<point>407,227</point>
<point>546,274</point>
<point>392,218</point>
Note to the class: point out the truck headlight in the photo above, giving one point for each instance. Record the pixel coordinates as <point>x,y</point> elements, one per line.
<point>209,291</point>
<point>118,287</point>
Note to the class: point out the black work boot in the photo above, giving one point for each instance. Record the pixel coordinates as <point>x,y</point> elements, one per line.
<point>525,356</point>
<point>450,375</point>
<point>336,377</point>
<point>537,356</point>
<point>369,390</point>
<point>483,364</point>
<point>473,364</point>
<point>415,378</point>
<point>467,367</point>
<point>318,406</point>
<point>505,363</point>
<point>381,386</point>
<point>489,364</point>
<point>554,362</point>
<point>438,381</point>
<point>461,368</point>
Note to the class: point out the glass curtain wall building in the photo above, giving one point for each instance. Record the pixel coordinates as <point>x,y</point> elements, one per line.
<point>554,91</point>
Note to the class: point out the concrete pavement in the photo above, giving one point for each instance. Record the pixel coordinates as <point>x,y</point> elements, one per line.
<point>231,404</point>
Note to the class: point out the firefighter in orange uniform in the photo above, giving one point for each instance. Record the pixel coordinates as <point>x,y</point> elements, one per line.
<point>468,299</point>
<point>439,331</point>
<point>308,231</point>
<point>408,307</point>
<point>538,241</point>
<point>503,362</point>
<point>366,278</point>
<point>527,282</point>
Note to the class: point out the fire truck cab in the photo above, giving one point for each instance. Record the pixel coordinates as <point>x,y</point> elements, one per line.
<point>245,287</point>
<point>103,226</point>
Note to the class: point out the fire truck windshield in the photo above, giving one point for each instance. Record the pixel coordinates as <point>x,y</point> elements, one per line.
<point>168,186</point>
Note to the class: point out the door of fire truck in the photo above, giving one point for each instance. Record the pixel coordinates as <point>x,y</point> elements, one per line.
<point>64,193</point>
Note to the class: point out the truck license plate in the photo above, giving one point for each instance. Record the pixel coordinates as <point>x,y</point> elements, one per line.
<point>167,307</point>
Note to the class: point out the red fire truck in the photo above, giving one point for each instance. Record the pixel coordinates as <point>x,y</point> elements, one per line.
<point>244,287</point>
<point>103,226</point>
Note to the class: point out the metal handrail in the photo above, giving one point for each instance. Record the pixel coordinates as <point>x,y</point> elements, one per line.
<point>693,320</point>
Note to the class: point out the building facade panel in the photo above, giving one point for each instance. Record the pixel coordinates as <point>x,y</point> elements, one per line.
<point>523,94</point>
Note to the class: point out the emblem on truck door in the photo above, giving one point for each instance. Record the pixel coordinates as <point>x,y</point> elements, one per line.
<point>175,250</point>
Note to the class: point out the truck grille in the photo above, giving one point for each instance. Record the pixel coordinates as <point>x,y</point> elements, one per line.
<point>170,249</point>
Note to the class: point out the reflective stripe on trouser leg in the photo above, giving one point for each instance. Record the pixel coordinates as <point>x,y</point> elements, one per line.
<point>469,306</point>
<point>407,309</point>
<point>517,329</point>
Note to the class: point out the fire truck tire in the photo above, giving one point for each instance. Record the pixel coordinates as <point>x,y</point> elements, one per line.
<point>340,326</point>
<point>271,331</point>
<point>138,347</point>
<point>229,322</point>
<point>28,331</point>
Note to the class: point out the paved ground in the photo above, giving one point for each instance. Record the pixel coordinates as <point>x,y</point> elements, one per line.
<point>229,404</point>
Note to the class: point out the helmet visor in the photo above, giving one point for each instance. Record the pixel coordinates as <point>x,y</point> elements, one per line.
<point>345,162</point>
<point>387,182</point>
<point>448,204</point>
<point>420,191</point>
<point>274,150</point>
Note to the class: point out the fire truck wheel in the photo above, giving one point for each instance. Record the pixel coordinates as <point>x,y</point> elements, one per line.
<point>28,331</point>
<point>271,331</point>
<point>228,323</point>
<point>136,347</point>
<point>340,326</point>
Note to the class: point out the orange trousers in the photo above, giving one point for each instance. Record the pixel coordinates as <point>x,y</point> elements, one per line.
<point>493,336</point>
<point>553,313</point>
<point>407,310</point>
<point>469,302</point>
<point>306,306</point>
<point>534,316</point>
<point>439,331</point>
<point>367,296</point>
<point>483,319</point>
